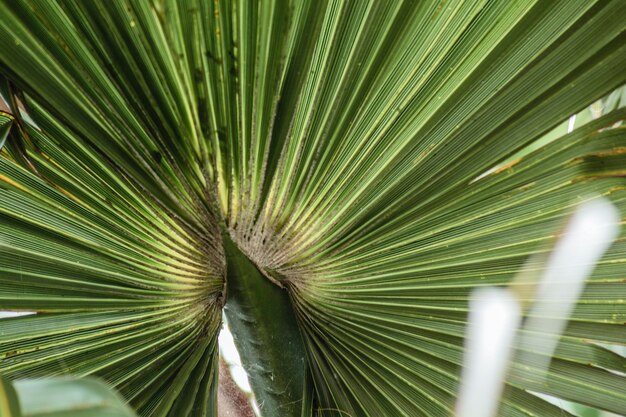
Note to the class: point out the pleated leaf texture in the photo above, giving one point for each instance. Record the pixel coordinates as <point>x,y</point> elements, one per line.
<point>327,167</point>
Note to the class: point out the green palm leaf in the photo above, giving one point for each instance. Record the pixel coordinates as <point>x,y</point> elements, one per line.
<point>63,397</point>
<point>5,126</point>
<point>167,158</point>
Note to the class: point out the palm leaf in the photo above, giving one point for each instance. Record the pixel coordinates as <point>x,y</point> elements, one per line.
<point>174,156</point>
<point>5,126</point>
<point>9,404</point>
<point>63,397</point>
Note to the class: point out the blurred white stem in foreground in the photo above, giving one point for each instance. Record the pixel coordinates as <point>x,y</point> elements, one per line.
<point>587,236</point>
<point>493,321</point>
<point>495,313</point>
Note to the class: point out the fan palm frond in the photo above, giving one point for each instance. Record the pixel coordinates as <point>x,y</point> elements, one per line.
<point>340,175</point>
